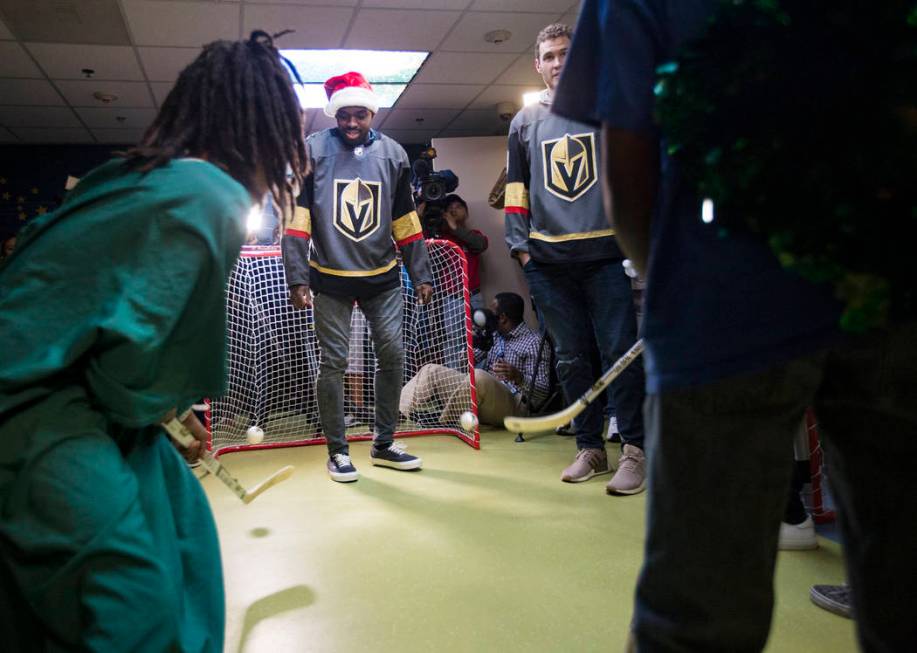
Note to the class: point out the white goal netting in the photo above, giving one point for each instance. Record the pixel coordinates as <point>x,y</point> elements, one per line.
<point>273,359</point>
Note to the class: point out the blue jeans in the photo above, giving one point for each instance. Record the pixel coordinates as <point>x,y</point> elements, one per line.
<point>384,312</point>
<point>717,484</point>
<point>581,302</point>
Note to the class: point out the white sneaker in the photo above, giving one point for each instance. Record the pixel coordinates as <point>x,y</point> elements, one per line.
<point>797,537</point>
<point>612,434</point>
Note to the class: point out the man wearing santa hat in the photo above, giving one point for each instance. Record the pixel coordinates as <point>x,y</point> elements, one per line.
<point>339,249</point>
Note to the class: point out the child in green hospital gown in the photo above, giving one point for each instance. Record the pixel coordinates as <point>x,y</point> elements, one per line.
<point>112,316</point>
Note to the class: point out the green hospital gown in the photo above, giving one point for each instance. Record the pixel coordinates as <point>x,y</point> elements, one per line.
<point>111,313</point>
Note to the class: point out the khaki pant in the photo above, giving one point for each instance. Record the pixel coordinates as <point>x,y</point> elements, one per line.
<point>438,387</point>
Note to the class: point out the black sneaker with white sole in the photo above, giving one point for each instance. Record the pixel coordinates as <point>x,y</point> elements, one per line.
<point>340,468</point>
<point>394,456</point>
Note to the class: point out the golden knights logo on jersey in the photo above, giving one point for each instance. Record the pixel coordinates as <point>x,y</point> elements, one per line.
<point>569,165</point>
<point>356,207</point>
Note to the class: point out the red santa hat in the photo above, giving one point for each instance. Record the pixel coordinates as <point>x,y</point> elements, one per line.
<point>349,90</point>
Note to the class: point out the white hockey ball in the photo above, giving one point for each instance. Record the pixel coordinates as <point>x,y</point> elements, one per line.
<point>254,435</point>
<point>468,420</point>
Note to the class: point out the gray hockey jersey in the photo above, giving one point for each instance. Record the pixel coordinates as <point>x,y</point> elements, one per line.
<point>553,206</point>
<point>355,206</point>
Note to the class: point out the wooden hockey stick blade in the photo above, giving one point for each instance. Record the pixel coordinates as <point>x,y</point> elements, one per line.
<point>180,433</point>
<point>281,474</point>
<point>549,422</point>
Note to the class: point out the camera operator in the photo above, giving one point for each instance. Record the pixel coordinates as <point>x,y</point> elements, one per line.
<point>506,382</point>
<point>474,242</point>
<point>446,219</point>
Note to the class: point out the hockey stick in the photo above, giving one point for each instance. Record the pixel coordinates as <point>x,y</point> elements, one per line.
<point>180,433</point>
<point>565,416</point>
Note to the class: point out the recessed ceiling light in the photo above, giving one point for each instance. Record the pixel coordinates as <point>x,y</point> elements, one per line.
<point>530,98</point>
<point>105,98</point>
<point>498,36</point>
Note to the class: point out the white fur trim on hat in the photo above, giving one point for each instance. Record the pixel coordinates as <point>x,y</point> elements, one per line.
<point>352,96</point>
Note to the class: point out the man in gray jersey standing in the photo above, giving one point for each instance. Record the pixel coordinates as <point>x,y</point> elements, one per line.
<point>556,228</point>
<point>355,207</point>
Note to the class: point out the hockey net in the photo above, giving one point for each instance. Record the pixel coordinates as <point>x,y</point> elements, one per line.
<point>273,358</point>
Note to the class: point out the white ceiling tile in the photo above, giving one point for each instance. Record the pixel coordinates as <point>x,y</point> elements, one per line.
<point>420,119</point>
<point>544,6</point>
<point>522,72</point>
<point>322,121</point>
<point>418,4</point>
<point>400,29</point>
<point>468,35</point>
<point>326,3</point>
<point>463,68</point>
<point>52,135</point>
<point>161,91</point>
<point>438,96</point>
<point>66,21</point>
<point>7,137</point>
<point>570,18</point>
<point>118,136</point>
<point>66,61</point>
<point>28,91</point>
<point>459,133</point>
<point>485,120</point>
<point>79,93</point>
<point>15,62</point>
<point>502,93</point>
<point>38,117</point>
<point>308,117</point>
<point>164,64</point>
<point>316,27</point>
<point>113,118</point>
<point>189,24</point>
<point>5,32</point>
<point>410,136</point>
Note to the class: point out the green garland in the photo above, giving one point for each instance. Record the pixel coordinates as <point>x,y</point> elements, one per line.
<point>799,121</point>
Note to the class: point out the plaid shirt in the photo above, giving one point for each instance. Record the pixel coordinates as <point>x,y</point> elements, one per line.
<point>519,348</point>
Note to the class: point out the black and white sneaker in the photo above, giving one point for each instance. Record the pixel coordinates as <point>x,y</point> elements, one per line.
<point>833,598</point>
<point>394,456</point>
<point>340,468</point>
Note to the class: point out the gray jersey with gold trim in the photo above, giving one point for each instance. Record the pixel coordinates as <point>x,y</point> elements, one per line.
<point>355,206</point>
<point>553,200</point>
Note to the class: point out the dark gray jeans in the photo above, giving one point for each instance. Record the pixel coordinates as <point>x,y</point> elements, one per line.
<point>718,476</point>
<point>384,312</point>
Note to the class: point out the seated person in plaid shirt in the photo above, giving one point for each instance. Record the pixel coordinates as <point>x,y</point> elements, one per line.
<point>504,384</point>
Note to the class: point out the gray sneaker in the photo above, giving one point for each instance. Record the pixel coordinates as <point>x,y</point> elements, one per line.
<point>631,475</point>
<point>833,598</point>
<point>588,463</point>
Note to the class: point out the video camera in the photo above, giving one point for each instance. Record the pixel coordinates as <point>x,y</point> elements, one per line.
<point>430,187</point>
<point>485,325</point>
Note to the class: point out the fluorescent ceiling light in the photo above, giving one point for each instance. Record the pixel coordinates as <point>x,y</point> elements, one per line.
<point>388,71</point>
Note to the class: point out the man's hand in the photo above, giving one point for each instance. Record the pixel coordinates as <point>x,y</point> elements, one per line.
<point>505,371</point>
<point>523,258</point>
<point>201,436</point>
<point>301,297</point>
<point>424,293</point>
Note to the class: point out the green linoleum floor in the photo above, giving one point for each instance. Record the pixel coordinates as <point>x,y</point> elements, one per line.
<point>480,551</point>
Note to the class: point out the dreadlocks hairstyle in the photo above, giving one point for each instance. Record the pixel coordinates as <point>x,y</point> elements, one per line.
<point>235,106</point>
